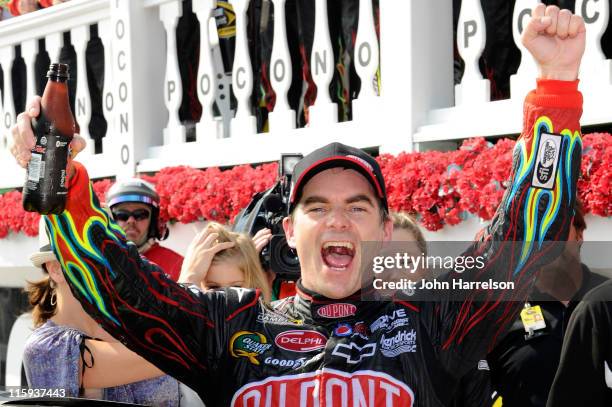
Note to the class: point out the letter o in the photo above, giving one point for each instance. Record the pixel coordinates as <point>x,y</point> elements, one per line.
<point>365,47</point>
<point>120,29</point>
<point>7,120</point>
<point>205,84</point>
<point>279,64</point>
<point>125,154</point>
<point>122,91</point>
<point>109,101</point>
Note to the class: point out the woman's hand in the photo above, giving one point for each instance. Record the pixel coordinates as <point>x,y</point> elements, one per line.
<point>200,254</point>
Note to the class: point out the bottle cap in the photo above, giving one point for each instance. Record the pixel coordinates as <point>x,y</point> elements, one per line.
<point>59,71</point>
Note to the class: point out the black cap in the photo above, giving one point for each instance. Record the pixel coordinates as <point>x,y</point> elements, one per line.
<point>59,71</point>
<point>336,155</point>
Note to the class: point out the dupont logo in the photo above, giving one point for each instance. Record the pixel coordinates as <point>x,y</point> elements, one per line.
<point>300,341</point>
<point>337,310</point>
<point>326,387</point>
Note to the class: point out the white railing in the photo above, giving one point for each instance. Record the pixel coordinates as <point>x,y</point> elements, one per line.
<point>416,106</point>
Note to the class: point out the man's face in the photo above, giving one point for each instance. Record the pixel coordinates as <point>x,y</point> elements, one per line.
<point>338,210</point>
<point>134,218</point>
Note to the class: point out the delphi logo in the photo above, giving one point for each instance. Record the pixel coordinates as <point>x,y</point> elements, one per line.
<point>300,341</point>
<point>547,160</point>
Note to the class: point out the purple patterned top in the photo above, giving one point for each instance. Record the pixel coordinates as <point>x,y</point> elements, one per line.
<point>51,360</point>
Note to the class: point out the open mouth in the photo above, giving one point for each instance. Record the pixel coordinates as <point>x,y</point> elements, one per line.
<point>337,254</point>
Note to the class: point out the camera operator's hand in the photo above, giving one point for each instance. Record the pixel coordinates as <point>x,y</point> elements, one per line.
<point>200,254</point>
<point>23,140</point>
<point>262,238</point>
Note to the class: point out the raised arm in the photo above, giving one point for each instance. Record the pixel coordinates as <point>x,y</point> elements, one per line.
<point>536,209</point>
<point>181,331</point>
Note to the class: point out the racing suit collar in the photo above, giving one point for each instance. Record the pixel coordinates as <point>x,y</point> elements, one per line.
<point>323,310</point>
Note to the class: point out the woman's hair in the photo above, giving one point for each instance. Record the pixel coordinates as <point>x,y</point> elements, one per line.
<point>245,255</point>
<point>402,220</point>
<point>41,298</point>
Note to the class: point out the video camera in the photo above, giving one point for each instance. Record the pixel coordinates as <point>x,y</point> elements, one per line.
<point>267,210</point>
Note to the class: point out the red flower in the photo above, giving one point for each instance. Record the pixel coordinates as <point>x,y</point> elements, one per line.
<point>439,187</point>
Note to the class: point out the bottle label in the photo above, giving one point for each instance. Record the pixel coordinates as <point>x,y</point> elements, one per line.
<point>46,172</point>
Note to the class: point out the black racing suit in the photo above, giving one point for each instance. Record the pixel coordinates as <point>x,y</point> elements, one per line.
<point>308,350</point>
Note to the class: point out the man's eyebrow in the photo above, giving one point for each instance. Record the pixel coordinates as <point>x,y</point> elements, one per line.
<point>314,199</point>
<point>353,199</point>
<point>360,198</point>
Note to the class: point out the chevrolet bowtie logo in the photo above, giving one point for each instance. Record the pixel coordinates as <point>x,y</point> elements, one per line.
<point>353,353</point>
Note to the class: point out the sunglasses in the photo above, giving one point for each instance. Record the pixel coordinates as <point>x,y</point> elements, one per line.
<point>138,214</point>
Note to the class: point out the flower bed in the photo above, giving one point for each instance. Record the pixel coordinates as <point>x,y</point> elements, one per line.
<point>441,188</point>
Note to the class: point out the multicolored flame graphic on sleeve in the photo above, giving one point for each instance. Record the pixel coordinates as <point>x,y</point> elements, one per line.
<point>536,223</point>
<point>77,253</point>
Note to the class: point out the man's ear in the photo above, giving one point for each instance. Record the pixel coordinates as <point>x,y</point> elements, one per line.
<point>289,233</point>
<point>387,230</point>
<point>579,236</point>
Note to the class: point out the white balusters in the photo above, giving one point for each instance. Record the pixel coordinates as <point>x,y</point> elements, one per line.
<point>7,56</point>
<point>169,14</point>
<point>595,70</point>
<point>283,117</point>
<point>244,122</point>
<point>366,60</point>
<point>53,44</point>
<point>471,38</point>
<point>324,111</point>
<point>104,33</point>
<point>80,37</point>
<point>524,79</point>
<point>206,129</point>
<point>29,49</point>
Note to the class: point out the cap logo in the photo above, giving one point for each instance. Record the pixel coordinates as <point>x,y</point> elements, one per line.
<point>362,161</point>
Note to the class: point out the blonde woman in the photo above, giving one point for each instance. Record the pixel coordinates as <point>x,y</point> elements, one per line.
<point>219,258</point>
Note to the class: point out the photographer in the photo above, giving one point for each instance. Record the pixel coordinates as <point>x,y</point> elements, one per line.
<point>326,346</point>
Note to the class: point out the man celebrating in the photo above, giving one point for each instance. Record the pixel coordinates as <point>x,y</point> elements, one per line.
<point>134,204</point>
<point>326,346</point>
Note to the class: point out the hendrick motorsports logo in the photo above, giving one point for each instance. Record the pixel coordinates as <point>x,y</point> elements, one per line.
<point>327,387</point>
<point>402,342</point>
<point>389,322</point>
<point>248,345</point>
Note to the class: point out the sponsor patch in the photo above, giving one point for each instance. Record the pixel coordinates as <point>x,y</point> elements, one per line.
<point>483,365</point>
<point>300,341</point>
<point>343,330</point>
<point>292,363</point>
<point>403,341</point>
<point>398,318</point>
<point>248,345</point>
<point>339,310</point>
<point>325,388</point>
<point>354,353</point>
<point>547,160</point>
<point>267,317</point>
<point>361,329</point>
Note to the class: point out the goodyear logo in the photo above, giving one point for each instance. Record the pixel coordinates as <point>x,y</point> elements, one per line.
<point>248,345</point>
